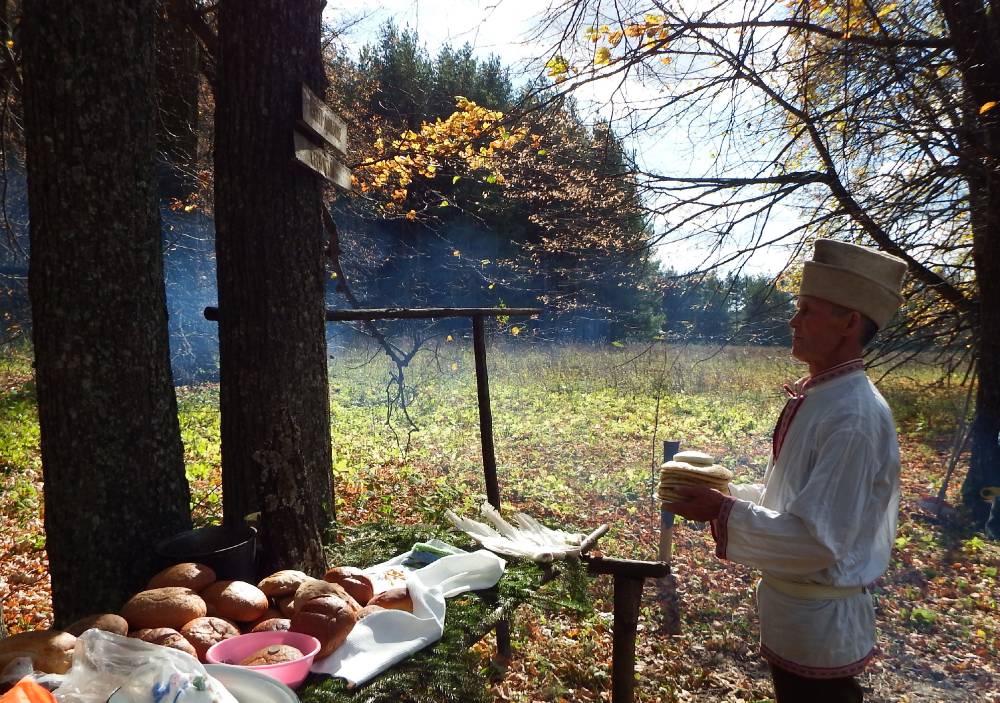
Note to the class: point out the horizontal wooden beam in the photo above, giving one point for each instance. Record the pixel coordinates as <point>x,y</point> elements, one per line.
<point>626,567</point>
<point>347,315</point>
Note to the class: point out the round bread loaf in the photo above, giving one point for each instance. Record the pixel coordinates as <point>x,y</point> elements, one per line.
<point>315,588</point>
<point>272,654</point>
<point>282,583</point>
<point>352,580</point>
<point>394,599</point>
<point>368,610</point>
<point>108,622</point>
<point>50,651</point>
<point>170,606</point>
<point>269,614</point>
<point>272,625</point>
<point>286,605</point>
<point>328,618</point>
<point>187,575</point>
<point>166,637</point>
<point>202,633</point>
<point>235,600</point>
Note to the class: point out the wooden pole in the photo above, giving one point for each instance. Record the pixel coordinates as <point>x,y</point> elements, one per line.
<point>489,452</point>
<point>485,412</point>
<point>666,587</point>
<point>628,593</point>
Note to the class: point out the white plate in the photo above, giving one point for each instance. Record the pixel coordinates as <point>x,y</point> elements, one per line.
<point>249,686</point>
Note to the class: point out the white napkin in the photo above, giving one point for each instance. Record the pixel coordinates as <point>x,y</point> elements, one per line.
<point>389,636</point>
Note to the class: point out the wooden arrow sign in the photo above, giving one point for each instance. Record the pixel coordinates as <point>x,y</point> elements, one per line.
<point>322,122</point>
<point>313,156</point>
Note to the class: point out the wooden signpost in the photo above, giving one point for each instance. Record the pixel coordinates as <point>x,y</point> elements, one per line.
<point>320,125</point>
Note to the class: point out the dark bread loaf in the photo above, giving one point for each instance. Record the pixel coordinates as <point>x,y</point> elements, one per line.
<point>354,581</point>
<point>270,614</point>
<point>394,599</point>
<point>202,633</point>
<point>186,575</point>
<point>368,610</point>
<point>316,588</point>
<point>235,600</point>
<point>272,654</point>
<point>272,625</point>
<point>166,637</point>
<point>171,606</point>
<point>286,605</point>
<point>108,622</point>
<point>327,618</point>
<point>282,583</point>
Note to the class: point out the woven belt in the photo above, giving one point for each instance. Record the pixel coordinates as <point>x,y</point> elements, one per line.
<point>811,591</point>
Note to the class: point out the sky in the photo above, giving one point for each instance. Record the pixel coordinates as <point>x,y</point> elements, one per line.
<point>508,28</point>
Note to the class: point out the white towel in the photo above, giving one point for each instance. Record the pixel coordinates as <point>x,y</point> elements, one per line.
<point>390,636</point>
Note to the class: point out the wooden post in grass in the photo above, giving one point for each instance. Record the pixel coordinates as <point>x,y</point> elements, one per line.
<point>666,586</point>
<point>489,452</point>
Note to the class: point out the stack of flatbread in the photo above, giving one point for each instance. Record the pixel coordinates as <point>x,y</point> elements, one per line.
<point>691,469</point>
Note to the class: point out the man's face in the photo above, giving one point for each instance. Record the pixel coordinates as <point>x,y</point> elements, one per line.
<point>818,327</point>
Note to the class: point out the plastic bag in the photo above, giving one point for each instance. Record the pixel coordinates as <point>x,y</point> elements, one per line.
<point>135,672</point>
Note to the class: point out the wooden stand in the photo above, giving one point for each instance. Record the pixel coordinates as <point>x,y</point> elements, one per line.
<point>629,578</point>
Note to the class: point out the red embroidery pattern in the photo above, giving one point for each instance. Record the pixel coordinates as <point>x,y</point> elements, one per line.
<point>797,396</point>
<point>720,527</point>
<point>818,672</point>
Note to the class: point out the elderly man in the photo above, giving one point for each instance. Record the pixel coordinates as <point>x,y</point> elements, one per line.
<point>821,526</point>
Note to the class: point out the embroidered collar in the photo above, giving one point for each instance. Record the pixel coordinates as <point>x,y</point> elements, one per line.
<point>808,382</point>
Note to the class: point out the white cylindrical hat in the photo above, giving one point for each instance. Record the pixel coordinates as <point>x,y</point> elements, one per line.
<point>855,277</point>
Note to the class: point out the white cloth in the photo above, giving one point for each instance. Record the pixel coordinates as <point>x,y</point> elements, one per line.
<point>825,514</point>
<point>387,637</point>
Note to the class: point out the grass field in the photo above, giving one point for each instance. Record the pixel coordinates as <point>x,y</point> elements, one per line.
<point>577,432</point>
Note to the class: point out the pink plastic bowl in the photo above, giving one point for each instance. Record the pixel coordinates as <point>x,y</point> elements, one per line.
<point>293,673</point>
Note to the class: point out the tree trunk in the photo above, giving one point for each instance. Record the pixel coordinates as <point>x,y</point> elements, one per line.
<point>975,34</point>
<point>269,245</point>
<point>111,451</point>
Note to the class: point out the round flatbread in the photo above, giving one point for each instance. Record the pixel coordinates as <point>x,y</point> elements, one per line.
<point>715,471</point>
<point>691,468</point>
<point>694,458</point>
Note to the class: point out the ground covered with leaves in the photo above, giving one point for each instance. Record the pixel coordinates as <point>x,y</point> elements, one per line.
<point>578,434</point>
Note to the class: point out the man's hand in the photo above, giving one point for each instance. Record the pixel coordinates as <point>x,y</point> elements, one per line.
<point>700,503</point>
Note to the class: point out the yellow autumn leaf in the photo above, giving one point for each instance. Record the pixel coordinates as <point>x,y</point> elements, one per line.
<point>986,107</point>
<point>602,57</point>
<point>490,286</point>
<point>943,71</point>
<point>515,331</point>
<point>10,43</point>
<point>456,253</point>
<point>886,10</point>
<point>635,30</point>
<point>615,37</point>
<point>557,66</point>
<point>454,367</point>
<point>449,338</point>
<point>654,19</point>
<point>411,215</point>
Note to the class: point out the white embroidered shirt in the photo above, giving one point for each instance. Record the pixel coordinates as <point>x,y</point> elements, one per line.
<point>825,514</point>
